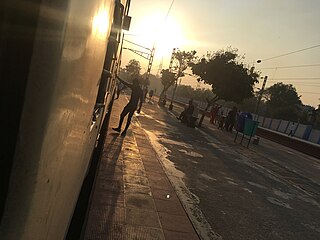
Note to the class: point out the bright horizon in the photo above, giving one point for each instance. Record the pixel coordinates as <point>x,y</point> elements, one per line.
<point>258,29</point>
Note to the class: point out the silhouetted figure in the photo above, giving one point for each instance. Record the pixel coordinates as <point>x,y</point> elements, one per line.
<point>186,114</point>
<point>150,94</point>
<point>194,116</point>
<point>164,100</point>
<point>183,112</point>
<point>136,96</point>
<point>213,113</point>
<point>292,128</point>
<point>221,119</point>
<point>145,92</point>
<point>231,119</point>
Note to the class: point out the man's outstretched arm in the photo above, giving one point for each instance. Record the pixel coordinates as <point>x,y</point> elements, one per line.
<point>124,82</point>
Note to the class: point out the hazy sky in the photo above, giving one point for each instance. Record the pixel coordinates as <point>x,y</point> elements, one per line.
<point>260,29</point>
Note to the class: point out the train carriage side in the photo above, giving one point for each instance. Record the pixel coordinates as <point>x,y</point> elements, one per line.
<point>58,65</point>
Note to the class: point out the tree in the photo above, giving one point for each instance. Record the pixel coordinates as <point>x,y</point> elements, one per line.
<point>133,69</point>
<point>283,101</point>
<point>230,78</point>
<point>182,60</point>
<point>195,94</point>
<point>250,104</point>
<point>167,80</point>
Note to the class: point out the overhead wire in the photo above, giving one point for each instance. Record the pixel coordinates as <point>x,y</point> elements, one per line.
<point>302,84</point>
<point>169,10</point>
<point>165,19</point>
<point>309,92</point>
<point>160,25</point>
<point>289,53</point>
<point>296,78</point>
<point>294,66</point>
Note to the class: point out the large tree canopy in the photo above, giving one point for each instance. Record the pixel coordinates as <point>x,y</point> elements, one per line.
<point>133,69</point>
<point>229,77</point>
<point>283,101</point>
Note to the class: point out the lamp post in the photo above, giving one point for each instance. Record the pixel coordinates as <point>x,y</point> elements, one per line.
<point>176,82</point>
<point>260,95</point>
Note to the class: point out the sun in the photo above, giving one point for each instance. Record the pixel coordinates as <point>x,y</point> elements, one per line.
<point>156,30</point>
<point>169,37</point>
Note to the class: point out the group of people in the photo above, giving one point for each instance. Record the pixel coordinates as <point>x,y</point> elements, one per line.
<point>188,116</point>
<point>224,122</point>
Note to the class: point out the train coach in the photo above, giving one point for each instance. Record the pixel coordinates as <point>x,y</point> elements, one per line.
<point>58,65</point>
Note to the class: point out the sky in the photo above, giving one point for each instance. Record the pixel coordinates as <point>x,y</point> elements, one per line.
<point>259,29</point>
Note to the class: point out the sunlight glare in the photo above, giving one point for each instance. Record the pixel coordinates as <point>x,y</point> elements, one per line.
<point>169,37</point>
<point>100,22</point>
<point>166,35</point>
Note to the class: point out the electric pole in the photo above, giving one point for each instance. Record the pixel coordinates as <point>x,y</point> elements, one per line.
<point>150,64</point>
<point>260,96</point>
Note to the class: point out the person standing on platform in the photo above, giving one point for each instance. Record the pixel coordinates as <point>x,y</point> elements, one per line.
<point>150,95</point>
<point>136,97</point>
<point>292,128</point>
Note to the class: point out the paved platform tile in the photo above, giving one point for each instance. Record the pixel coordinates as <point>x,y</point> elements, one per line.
<point>144,145</point>
<point>159,182</point>
<point>141,180</point>
<point>113,232</point>
<point>136,188</point>
<point>108,199</point>
<point>170,235</point>
<point>168,195</point>
<point>132,157</point>
<point>172,207</point>
<point>107,170</point>
<point>105,177</point>
<point>104,215</point>
<point>140,201</point>
<point>110,185</point>
<point>175,223</point>
<point>135,172</point>
<point>143,233</point>
<point>153,167</point>
<point>133,165</point>
<point>142,218</point>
